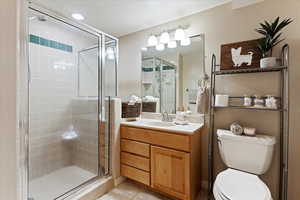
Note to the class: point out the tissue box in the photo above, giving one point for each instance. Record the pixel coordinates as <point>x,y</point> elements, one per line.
<point>222,100</point>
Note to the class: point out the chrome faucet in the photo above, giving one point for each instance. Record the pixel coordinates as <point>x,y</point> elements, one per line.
<point>166,117</point>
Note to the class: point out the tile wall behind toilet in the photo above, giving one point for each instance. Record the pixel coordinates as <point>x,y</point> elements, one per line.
<point>53,52</point>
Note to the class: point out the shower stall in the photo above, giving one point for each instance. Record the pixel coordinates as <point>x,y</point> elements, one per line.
<point>72,76</point>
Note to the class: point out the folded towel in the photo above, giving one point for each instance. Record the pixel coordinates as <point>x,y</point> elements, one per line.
<point>202,101</point>
<point>150,99</point>
<point>134,99</point>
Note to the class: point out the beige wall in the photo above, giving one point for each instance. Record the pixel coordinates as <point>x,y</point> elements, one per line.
<point>9,52</point>
<point>225,25</point>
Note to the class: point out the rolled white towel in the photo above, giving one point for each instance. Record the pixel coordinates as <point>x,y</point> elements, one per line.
<point>202,100</point>
<point>150,99</point>
<point>134,99</point>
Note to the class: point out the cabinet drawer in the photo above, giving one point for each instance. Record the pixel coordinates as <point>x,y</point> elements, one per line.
<point>164,139</point>
<point>135,134</point>
<point>135,174</point>
<point>170,140</point>
<point>135,161</point>
<point>134,147</point>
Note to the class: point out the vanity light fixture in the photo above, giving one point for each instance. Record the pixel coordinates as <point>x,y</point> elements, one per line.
<point>179,34</point>
<point>164,38</point>
<point>78,16</point>
<point>152,41</point>
<point>185,42</point>
<point>172,44</point>
<point>160,47</point>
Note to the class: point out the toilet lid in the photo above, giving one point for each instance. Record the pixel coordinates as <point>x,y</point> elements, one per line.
<point>236,185</point>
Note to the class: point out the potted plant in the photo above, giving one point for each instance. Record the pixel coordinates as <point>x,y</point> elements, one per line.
<point>271,38</point>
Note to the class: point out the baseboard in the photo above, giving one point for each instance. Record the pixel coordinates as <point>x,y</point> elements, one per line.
<point>119,180</point>
<point>93,190</point>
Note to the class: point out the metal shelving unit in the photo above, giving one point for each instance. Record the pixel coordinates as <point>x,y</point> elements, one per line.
<point>283,111</point>
<point>248,71</point>
<point>248,108</point>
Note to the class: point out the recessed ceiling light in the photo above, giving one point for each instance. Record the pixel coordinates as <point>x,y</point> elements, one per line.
<point>78,16</point>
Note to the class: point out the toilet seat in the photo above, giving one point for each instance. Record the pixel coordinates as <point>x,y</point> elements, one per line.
<point>236,185</point>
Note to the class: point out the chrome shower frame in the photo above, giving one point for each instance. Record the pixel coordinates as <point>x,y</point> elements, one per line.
<point>23,100</point>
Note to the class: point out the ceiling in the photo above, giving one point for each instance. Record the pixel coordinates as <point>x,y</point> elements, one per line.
<point>122,17</point>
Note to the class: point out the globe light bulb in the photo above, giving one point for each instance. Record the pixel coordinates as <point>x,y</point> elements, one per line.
<point>152,41</point>
<point>164,38</point>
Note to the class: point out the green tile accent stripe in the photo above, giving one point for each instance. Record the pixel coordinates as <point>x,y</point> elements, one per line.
<point>144,69</point>
<point>50,43</point>
<point>168,68</point>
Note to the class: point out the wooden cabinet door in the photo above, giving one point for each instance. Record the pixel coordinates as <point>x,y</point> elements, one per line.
<point>170,172</point>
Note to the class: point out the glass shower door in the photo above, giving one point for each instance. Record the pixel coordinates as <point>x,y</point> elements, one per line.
<point>64,107</point>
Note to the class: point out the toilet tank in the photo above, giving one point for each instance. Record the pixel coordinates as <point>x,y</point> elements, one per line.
<point>249,154</point>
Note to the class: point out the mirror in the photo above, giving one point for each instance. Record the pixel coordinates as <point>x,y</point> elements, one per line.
<point>171,77</point>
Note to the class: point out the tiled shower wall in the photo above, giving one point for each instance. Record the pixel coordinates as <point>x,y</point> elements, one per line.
<point>85,120</point>
<point>53,105</point>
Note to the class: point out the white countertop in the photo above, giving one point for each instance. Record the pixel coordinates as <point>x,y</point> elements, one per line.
<point>190,128</point>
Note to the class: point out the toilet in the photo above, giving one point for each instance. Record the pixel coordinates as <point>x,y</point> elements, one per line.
<point>246,159</point>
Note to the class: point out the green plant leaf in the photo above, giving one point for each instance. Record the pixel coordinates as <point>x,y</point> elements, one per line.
<point>274,40</point>
<point>261,31</point>
<point>271,33</point>
<point>282,25</point>
<point>276,43</point>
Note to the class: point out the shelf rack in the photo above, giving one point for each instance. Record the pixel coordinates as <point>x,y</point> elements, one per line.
<point>283,111</point>
<point>248,108</point>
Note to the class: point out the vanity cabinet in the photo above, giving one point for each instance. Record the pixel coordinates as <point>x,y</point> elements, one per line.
<point>165,161</point>
<point>170,171</point>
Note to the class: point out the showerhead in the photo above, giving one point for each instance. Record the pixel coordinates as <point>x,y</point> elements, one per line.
<point>42,18</point>
<point>205,77</point>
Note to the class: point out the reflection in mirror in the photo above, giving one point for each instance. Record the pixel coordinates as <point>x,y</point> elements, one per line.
<point>171,78</point>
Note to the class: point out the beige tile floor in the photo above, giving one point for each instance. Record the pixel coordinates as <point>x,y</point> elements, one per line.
<point>131,191</point>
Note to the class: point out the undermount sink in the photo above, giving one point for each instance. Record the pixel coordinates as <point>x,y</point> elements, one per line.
<point>161,123</point>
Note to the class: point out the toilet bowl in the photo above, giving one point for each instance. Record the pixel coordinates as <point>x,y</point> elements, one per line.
<point>246,158</point>
<point>236,185</point>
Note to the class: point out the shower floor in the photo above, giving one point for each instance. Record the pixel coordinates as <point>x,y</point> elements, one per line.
<point>52,185</point>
